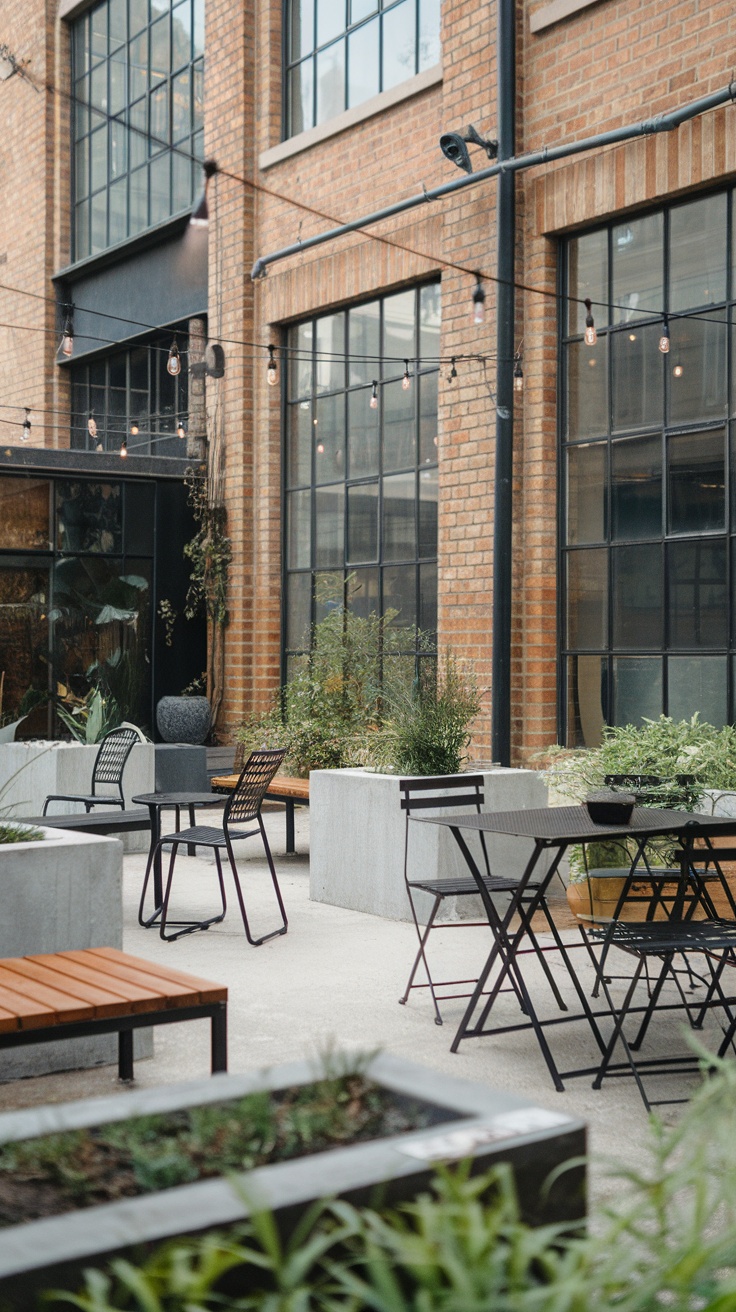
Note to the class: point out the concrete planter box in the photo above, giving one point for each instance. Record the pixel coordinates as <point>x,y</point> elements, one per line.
<point>29,772</point>
<point>472,1122</point>
<point>357,841</point>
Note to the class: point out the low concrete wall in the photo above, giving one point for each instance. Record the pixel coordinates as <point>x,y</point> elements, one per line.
<point>357,842</point>
<point>29,772</point>
<point>58,895</point>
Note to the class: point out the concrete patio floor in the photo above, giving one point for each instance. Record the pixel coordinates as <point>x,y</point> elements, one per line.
<point>333,982</point>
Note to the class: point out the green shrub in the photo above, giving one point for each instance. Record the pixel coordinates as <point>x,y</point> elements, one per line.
<point>428,730</point>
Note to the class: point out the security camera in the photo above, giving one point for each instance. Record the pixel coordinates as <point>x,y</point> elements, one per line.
<point>452,144</point>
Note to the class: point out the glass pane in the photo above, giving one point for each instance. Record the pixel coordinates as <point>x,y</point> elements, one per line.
<point>118,150</point>
<point>698,253</point>
<point>118,211</point>
<point>330,527</point>
<point>140,511</point>
<point>363,439</point>
<point>429,34</point>
<point>329,438</point>
<point>399,430</point>
<point>586,699</point>
<point>81,112</point>
<point>638,378</point>
<point>138,200</point>
<point>301,25</point>
<point>138,135</point>
<point>160,50</point>
<point>117,18</point>
<point>88,517</point>
<point>362,523</point>
<point>637,252</point>
<point>299,444</point>
<point>363,594</point>
<point>637,689</point>
<point>697,683</point>
<point>587,263</point>
<point>430,321</point>
<point>398,332</point>
<point>399,518</point>
<point>399,594</point>
<point>330,20</point>
<point>399,45</point>
<point>98,155</point>
<point>428,498</point>
<point>698,601</point>
<point>159,117</point>
<point>98,221</point>
<point>587,389</point>
<point>364,341</point>
<point>428,441</point>
<point>697,482</point>
<point>636,488</point>
<point>301,90</point>
<point>427,618</point>
<point>181,93</point>
<point>360,9</point>
<point>198,29</point>
<point>81,168</point>
<point>586,493</point>
<point>299,531</point>
<point>363,63</point>
<point>300,361</point>
<point>24,638</point>
<point>697,369</point>
<point>81,52</point>
<point>181,184</point>
<point>198,106</point>
<point>330,75</point>
<point>160,188</point>
<point>298,611</point>
<point>139,66</point>
<point>587,599</point>
<point>139,368</point>
<point>636,582</point>
<point>181,35</point>
<point>138,12</point>
<point>118,89</point>
<point>99,31</point>
<point>330,348</point>
<point>81,230</point>
<point>24,514</point>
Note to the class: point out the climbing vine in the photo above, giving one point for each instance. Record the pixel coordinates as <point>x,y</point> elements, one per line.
<point>210,553</point>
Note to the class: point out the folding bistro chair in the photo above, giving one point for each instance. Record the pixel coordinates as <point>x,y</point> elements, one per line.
<point>462,792</point>
<point>242,806</point>
<point>115,749</point>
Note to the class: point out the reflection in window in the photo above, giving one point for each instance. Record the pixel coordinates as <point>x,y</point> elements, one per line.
<point>24,514</point>
<point>24,669</point>
<point>131,396</point>
<point>361,479</point>
<point>340,53</point>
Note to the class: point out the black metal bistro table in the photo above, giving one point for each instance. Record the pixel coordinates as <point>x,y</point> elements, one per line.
<point>552,830</point>
<point>156,803</point>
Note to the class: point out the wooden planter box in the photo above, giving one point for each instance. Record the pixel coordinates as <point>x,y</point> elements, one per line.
<point>471,1121</point>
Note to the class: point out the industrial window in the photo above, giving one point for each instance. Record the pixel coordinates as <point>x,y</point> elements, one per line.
<point>138,86</point>
<point>341,52</point>
<point>361,478</point>
<point>130,396</point>
<point>649,524</point>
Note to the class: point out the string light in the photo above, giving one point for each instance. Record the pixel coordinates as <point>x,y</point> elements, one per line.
<point>406,380</point>
<point>272,371</point>
<point>99,447</point>
<point>479,301</point>
<point>123,448</point>
<point>173,364</point>
<point>518,374</point>
<point>591,336</point>
<point>181,429</point>
<point>134,429</point>
<point>374,396</point>
<point>664,341</point>
<point>678,370</point>
<point>92,426</point>
<point>453,371</point>
<point>67,337</point>
<point>26,433</point>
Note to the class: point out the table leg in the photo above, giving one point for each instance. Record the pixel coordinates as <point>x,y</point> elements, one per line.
<point>158,883</point>
<point>191,847</point>
<point>290,844</point>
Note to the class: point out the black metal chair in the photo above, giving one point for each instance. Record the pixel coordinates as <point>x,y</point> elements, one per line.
<point>462,792</point>
<point>242,806</point>
<point>110,762</point>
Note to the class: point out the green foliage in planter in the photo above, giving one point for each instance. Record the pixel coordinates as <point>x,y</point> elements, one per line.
<point>12,833</point>
<point>687,756</point>
<point>427,731</point>
<point>668,1241</point>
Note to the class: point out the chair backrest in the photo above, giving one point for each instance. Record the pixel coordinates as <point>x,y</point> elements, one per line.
<point>437,791</point>
<point>115,749</point>
<point>244,802</point>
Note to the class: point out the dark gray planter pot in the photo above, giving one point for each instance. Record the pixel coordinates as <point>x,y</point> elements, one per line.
<point>471,1121</point>
<point>183,719</point>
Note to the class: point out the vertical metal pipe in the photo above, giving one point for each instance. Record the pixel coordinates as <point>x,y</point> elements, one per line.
<point>502,522</point>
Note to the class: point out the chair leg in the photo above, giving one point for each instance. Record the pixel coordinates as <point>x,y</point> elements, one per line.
<point>422,956</point>
<point>275,933</point>
<point>188,926</point>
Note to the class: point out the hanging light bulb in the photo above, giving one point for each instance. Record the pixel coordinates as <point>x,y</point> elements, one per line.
<point>181,429</point>
<point>664,341</point>
<point>406,380</point>
<point>99,447</point>
<point>591,336</point>
<point>92,426</point>
<point>134,429</point>
<point>453,371</point>
<point>200,215</point>
<point>374,396</point>
<point>272,371</point>
<point>67,337</point>
<point>320,448</point>
<point>518,374</point>
<point>479,301</point>
<point>124,448</point>
<point>173,364</point>
<point>678,370</point>
<point>26,432</point>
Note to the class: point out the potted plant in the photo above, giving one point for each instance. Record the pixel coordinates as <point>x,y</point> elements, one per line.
<point>162,1140</point>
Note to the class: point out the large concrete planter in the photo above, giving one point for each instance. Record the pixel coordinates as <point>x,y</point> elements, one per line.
<point>357,841</point>
<point>29,772</point>
<point>471,1121</point>
<point>62,893</point>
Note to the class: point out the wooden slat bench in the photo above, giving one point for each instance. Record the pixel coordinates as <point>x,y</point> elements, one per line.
<point>292,792</point>
<point>58,995</point>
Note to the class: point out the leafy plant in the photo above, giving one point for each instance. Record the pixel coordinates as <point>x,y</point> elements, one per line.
<point>88,718</point>
<point>668,1241</point>
<point>12,833</point>
<point>428,731</point>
